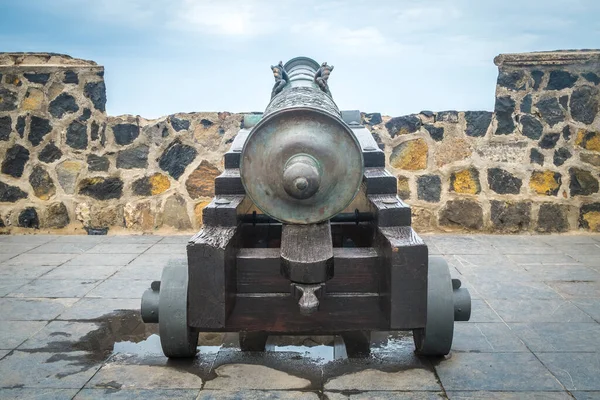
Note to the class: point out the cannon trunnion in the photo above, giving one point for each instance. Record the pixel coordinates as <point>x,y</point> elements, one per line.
<point>306,235</point>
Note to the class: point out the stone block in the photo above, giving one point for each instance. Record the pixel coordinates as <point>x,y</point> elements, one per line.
<point>514,80</point>
<point>465,181</point>
<point>133,157</point>
<point>584,104</point>
<point>550,110</point>
<point>179,124</point>
<point>14,161</point>
<point>410,155</point>
<point>588,140</point>
<point>57,216</point>
<point>591,77</point>
<point>175,213</point>
<point>9,100</point>
<point>553,218</point>
<point>97,163</point>
<point>436,133</point>
<point>462,213</point>
<point>5,127</point>
<point>478,122</point>
<point>67,173</point>
<point>504,108</point>
<point>590,158</point>
<point>50,153</point>
<point>549,140</point>
<point>125,133</point>
<point>38,77</point>
<point>41,182</point>
<point>101,188</point>
<point>11,194</point>
<point>583,182</point>
<point>38,129</point>
<point>429,188</point>
<point>525,106</point>
<point>450,116</point>
<point>403,187</point>
<point>96,92</point>
<point>510,216</point>
<point>71,77</point>
<point>453,150</point>
<point>561,156</point>
<point>531,127</point>
<point>33,100</point>
<point>77,136</point>
<point>403,125</point>
<point>511,152</point>
<point>201,182</point>
<point>20,126</point>
<point>545,182</point>
<point>151,185</point>
<point>503,182</point>
<point>176,158</point>
<point>63,104</point>
<point>589,217</point>
<point>560,80</point>
<point>28,218</point>
<point>372,118</point>
<point>535,157</point>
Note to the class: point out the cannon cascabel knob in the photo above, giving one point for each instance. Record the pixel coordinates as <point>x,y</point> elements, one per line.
<point>301,176</point>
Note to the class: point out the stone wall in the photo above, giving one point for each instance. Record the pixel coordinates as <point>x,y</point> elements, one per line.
<point>531,165</point>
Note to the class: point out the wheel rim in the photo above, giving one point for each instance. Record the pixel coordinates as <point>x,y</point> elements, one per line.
<point>176,338</point>
<point>436,337</point>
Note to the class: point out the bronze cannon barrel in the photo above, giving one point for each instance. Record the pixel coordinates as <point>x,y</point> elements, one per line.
<point>301,163</point>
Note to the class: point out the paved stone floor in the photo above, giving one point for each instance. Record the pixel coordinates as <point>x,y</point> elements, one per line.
<point>70,328</point>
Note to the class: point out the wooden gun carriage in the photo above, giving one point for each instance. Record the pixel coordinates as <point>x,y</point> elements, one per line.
<point>306,235</point>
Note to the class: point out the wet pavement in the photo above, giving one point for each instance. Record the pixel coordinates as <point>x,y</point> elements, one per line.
<point>70,328</point>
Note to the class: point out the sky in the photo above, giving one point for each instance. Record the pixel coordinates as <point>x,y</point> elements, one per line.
<point>391,56</point>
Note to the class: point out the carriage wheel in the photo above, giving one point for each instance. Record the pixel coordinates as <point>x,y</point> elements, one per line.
<point>436,338</point>
<point>176,338</point>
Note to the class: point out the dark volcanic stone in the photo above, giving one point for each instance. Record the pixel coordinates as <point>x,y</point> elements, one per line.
<point>509,216</point>
<point>582,183</point>
<point>37,78</point>
<point>566,132</point>
<point>71,77</point>
<point>10,194</point>
<point>101,188</point>
<point>13,80</point>
<point>549,140</point>
<point>447,116</point>
<point>535,157</point>
<point>591,77</point>
<point>142,187</point>
<point>429,188</point>
<point>28,218</point>
<point>537,79</point>
<point>531,127</point>
<point>512,80</point>
<point>561,80</point>
<point>505,107</point>
<point>176,158</point>
<point>85,115</point>
<point>179,124</point>
<point>564,101</point>
<point>436,133</point>
<point>50,153</point>
<point>97,163</point>
<point>63,104</point>
<point>21,125</point>
<point>465,213</point>
<point>373,119</point>
<point>561,155</point>
<point>57,216</point>
<point>503,182</point>
<point>94,131</point>
<point>96,92</point>
<point>403,125</point>
<point>134,157</point>
<point>8,100</point>
<point>125,133</point>
<point>206,123</point>
<point>14,161</point>
<point>550,111</point>
<point>41,182</point>
<point>526,104</point>
<point>552,218</point>
<point>584,104</point>
<point>5,127</point>
<point>477,122</point>
<point>38,128</point>
<point>77,135</point>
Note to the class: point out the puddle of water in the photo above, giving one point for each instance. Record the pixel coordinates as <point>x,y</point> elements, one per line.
<point>151,347</point>
<point>319,354</point>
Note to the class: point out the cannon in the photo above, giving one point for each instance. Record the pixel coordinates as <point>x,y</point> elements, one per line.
<point>306,235</point>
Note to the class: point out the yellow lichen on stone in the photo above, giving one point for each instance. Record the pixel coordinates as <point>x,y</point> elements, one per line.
<point>410,155</point>
<point>593,220</point>
<point>198,208</point>
<point>588,140</point>
<point>465,182</point>
<point>544,182</point>
<point>33,100</point>
<point>159,184</point>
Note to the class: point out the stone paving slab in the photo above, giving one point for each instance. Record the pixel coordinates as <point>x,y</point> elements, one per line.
<point>533,333</point>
